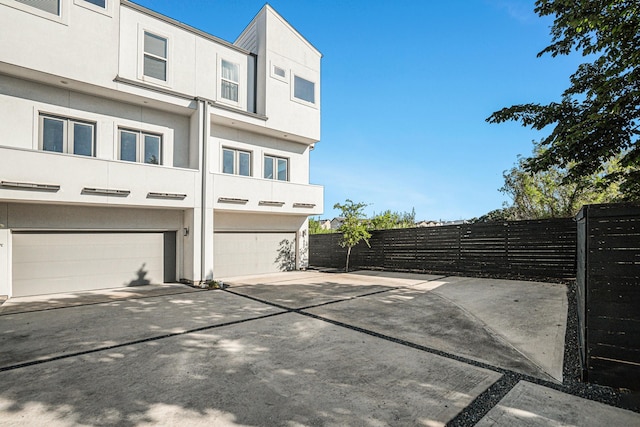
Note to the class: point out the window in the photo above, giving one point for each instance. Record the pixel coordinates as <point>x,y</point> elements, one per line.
<point>138,146</point>
<point>276,168</point>
<point>304,90</point>
<point>229,81</point>
<point>155,56</point>
<point>280,72</point>
<point>99,3</point>
<point>63,135</point>
<point>236,162</point>
<point>51,6</point>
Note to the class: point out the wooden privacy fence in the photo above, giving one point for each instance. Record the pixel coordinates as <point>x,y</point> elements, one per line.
<point>532,249</point>
<point>608,294</point>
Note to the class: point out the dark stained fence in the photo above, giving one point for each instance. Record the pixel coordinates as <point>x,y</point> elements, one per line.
<point>544,249</point>
<point>608,293</point>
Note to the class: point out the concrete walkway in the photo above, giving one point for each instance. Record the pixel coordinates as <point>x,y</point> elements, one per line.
<point>292,349</point>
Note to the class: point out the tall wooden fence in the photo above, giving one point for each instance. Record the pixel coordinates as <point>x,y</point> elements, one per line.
<point>608,294</point>
<point>532,249</point>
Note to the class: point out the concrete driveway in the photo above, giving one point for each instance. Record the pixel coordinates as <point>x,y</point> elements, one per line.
<point>293,349</point>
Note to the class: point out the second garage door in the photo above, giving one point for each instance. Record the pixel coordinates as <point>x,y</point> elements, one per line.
<point>239,254</point>
<point>45,263</point>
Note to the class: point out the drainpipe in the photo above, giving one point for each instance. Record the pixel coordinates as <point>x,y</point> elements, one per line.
<point>204,172</point>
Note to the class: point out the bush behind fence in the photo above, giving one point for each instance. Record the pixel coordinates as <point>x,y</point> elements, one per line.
<point>540,249</point>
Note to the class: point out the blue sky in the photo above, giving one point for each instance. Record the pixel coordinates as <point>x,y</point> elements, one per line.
<point>406,88</point>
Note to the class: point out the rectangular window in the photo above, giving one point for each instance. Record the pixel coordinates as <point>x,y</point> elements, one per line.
<point>155,56</point>
<point>304,89</point>
<point>64,135</point>
<point>280,72</point>
<point>236,162</point>
<point>51,6</point>
<point>276,168</point>
<point>229,81</point>
<point>99,3</point>
<point>138,146</point>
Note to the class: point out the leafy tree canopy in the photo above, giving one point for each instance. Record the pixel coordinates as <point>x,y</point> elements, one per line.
<point>387,220</point>
<point>598,118</point>
<point>547,194</point>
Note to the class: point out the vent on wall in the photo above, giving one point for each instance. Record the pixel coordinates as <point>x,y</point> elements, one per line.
<point>232,200</point>
<point>29,186</point>
<point>171,196</point>
<point>304,205</point>
<point>270,203</point>
<point>106,192</point>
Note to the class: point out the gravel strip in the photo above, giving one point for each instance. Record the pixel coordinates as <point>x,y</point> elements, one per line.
<point>572,368</point>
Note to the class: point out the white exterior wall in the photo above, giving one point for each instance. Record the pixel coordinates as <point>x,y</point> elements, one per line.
<point>69,47</point>
<point>22,101</point>
<point>87,65</point>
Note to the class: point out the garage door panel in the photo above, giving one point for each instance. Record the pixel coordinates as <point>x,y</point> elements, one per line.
<point>66,262</point>
<point>237,254</point>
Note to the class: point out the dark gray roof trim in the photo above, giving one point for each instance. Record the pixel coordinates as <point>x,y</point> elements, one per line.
<point>179,24</point>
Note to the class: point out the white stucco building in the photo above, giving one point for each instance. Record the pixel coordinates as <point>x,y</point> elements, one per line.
<point>136,149</point>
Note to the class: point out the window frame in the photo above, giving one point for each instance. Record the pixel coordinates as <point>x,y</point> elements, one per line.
<point>140,145</point>
<point>275,160</point>
<point>147,54</point>
<point>224,80</point>
<point>87,4</point>
<point>61,17</point>
<point>277,76</point>
<point>142,29</point>
<point>236,161</point>
<point>68,134</point>
<point>295,98</point>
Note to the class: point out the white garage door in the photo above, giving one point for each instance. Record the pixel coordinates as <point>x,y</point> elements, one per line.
<point>45,263</point>
<point>239,254</point>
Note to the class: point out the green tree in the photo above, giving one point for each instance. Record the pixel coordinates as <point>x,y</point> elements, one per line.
<point>599,115</point>
<point>547,194</point>
<point>388,220</point>
<point>353,227</point>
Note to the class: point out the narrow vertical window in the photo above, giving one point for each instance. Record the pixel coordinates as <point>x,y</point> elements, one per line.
<point>152,149</point>
<point>244,163</point>
<point>82,139</point>
<point>128,146</point>
<point>155,56</point>
<point>229,81</point>
<point>53,134</point>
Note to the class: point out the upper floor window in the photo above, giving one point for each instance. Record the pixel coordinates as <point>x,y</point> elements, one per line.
<point>276,168</point>
<point>304,90</point>
<point>99,3</point>
<point>50,6</point>
<point>229,81</point>
<point>155,56</point>
<point>236,162</point>
<point>64,135</point>
<point>138,146</point>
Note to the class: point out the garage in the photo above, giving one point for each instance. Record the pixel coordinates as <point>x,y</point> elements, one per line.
<point>53,262</point>
<point>239,254</point>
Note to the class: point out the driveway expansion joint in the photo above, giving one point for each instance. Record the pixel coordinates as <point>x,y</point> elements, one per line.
<point>141,341</point>
<point>10,313</point>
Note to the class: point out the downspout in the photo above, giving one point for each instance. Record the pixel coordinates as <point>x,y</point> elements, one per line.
<point>203,206</point>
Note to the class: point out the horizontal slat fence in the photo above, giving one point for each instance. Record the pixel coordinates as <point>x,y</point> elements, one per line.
<point>530,249</point>
<point>609,294</point>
